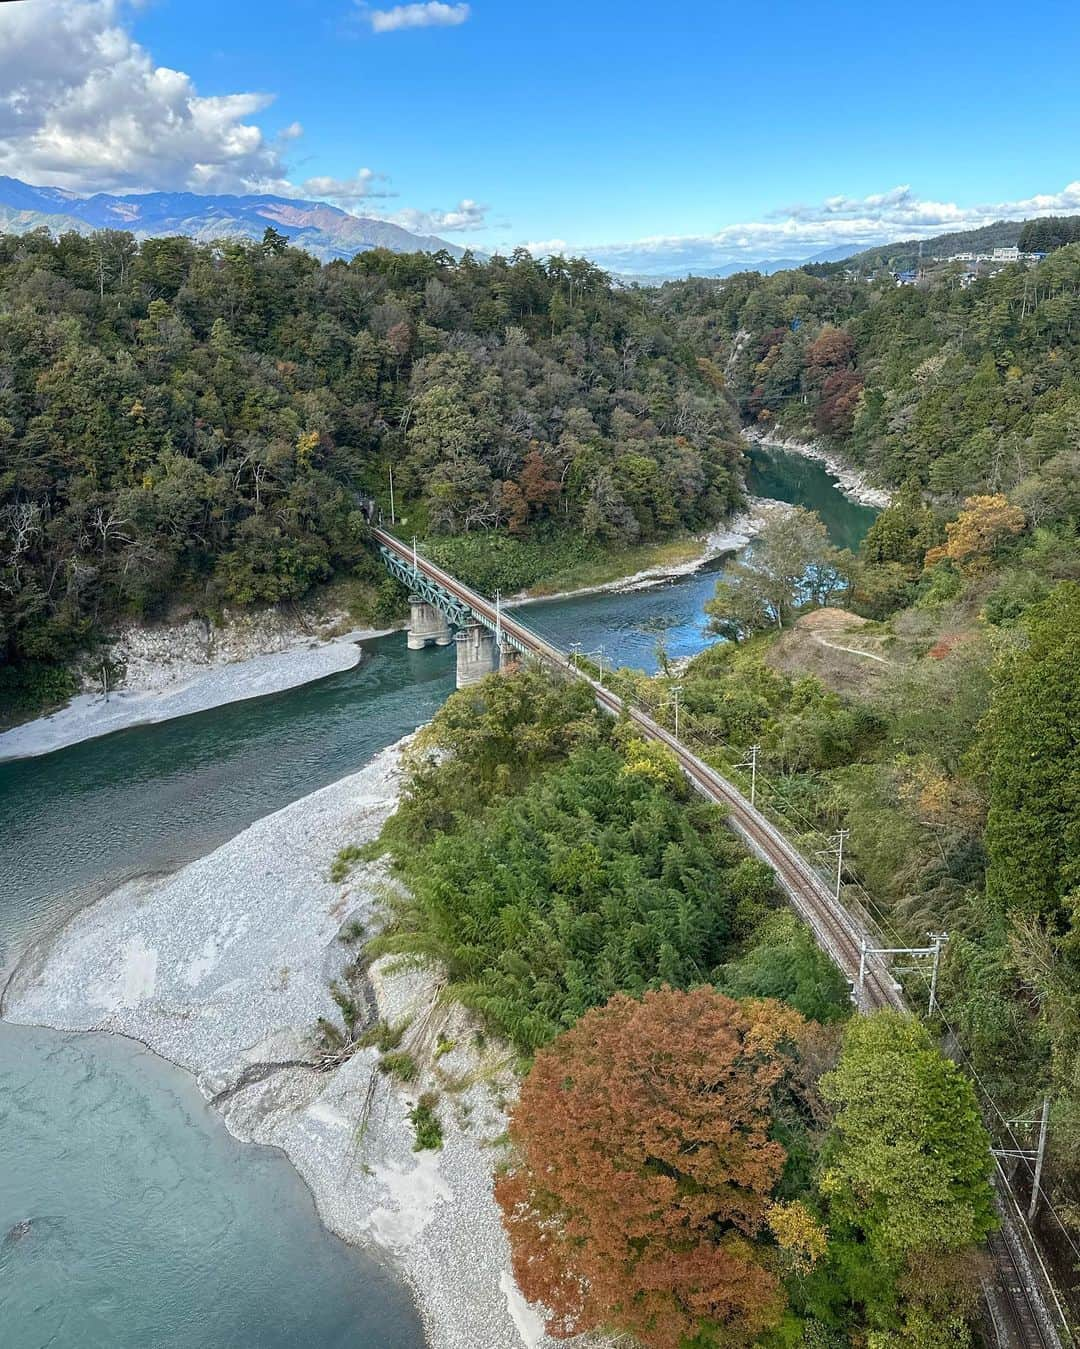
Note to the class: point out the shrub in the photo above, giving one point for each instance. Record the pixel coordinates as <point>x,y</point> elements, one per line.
<point>351,1011</point>
<point>401,1066</point>
<point>344,861</point>
<point>383,1036</point>
<point>491,562</point>
<point>428,1126</point>
<point>28,689</point>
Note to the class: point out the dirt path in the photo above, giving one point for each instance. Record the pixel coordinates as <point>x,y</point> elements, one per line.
<point>851,651</point>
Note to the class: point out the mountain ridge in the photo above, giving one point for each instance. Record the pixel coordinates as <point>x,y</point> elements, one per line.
<point>323,230</point>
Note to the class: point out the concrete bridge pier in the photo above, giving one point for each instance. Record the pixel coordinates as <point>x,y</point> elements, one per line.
<point>475,654</point>
<point>426,624</point>
<point>509,658</point>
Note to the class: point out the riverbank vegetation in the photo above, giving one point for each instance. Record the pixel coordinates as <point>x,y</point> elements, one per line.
<point>683,1169</point>
<point>551,859</point>
<point>199,423</point>
<point>697,1155</point>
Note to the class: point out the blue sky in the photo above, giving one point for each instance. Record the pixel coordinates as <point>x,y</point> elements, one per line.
<point>691,129</point>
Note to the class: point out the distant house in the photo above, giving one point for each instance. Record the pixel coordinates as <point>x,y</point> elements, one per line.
<point>1000,256</point>
<point>906,278</point>
<point>968,279</point>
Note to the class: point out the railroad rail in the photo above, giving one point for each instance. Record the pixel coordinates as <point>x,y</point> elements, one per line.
<point>836,929</point>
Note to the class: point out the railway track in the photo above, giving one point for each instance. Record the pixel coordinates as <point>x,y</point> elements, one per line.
<point>1023,1325</point>
<point>1016,1287</point>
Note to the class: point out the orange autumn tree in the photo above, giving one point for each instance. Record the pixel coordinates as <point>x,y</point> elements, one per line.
<point>642,1169</point>
<point>983,524</point>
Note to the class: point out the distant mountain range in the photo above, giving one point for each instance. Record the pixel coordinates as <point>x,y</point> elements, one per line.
<point>769,265</point>
<point>766,266</point>
<point>896,256</point>
<point>323,230</point>
<point>328,232</point>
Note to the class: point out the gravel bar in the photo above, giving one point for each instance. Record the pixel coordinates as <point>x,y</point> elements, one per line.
<point>224,966</point>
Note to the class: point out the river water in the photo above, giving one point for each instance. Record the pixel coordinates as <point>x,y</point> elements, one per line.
<point>151,1228</point>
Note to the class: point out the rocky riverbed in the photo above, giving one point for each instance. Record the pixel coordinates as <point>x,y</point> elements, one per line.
<point>853,482</point>
<point>172,670</point>
<point>225,966</point>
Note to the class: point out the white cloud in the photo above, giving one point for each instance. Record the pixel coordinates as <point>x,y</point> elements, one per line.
<point>799,231</point>
<point>345,192</point>
<point>82,104</point>
<point>467,215</point>
<point>547,248</point>
<point>432,15</point>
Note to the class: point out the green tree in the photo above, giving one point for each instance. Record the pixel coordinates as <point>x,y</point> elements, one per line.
<point>1033,826</point>
<point>784,962</point>
<point>790,562</point>
<point>907,1162</point>
<point>903,531</point>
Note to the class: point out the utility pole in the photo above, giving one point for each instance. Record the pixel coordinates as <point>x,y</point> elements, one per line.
<point>676,690</point>
<point>1036,1154</point>
<point>498,618</point>
<point>865,949</point>
<point>751,762</point>
<point>393,521</point>
<point>1044,1124</point>
<point>575,653</point>
<point>937,938</point>
<point>415,564</point>
<point>838,838</point>
<point>600,662</point>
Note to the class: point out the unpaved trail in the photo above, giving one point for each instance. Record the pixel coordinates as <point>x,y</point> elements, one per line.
<point>851,650</point>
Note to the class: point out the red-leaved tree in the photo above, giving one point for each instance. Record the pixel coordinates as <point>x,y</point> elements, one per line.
<point>537,485</point>
<point>839,400</point>
<point>642,1169</point>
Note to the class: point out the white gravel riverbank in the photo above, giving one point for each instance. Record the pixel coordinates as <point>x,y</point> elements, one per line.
<point>224,966</point>
<point>179,687</point>
<point>853,483</point>
<point>727,537</point>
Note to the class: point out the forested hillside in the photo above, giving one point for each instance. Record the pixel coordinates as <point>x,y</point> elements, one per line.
<point>908,252</point>
<point>959,389</point>
<point>200,422</point>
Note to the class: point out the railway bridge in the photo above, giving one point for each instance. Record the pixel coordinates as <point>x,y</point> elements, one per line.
<point>1022,1306</point>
